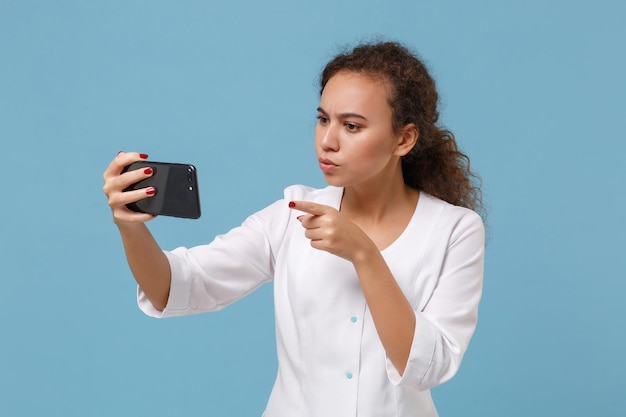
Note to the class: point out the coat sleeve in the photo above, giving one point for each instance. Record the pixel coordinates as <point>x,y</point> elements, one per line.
<point>209,277</point>
<point>444,327</point>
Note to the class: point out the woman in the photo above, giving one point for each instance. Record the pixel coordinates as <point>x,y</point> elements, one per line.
<point>377,277</point>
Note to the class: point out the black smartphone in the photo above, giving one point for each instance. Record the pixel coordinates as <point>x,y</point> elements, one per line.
<point>176,188</point>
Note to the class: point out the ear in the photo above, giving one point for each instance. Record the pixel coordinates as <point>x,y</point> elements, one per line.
<point>407,139</point>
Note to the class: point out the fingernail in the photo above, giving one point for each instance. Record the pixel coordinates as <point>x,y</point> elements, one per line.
<point>120,152</point>
<point>292,204</point>
<point>147,171</point>
<point>143,156</point>
<point>300,217</point>
<point>150,191</point>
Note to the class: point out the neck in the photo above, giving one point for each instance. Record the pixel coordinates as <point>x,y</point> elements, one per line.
<point>374,202</point>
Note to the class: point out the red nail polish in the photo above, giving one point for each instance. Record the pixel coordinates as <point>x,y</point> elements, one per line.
<point>143,156</point>
<point>292,204</point>
<point>147,171</point>
<point>150,191</point>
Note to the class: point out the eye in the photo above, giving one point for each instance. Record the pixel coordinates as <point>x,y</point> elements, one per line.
<point>322,120</point>
<point>352,127</point>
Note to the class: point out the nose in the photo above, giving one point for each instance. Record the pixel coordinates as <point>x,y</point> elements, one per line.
<point>328,138</point>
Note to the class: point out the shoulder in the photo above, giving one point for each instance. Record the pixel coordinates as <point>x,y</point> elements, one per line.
<point>455,218</point>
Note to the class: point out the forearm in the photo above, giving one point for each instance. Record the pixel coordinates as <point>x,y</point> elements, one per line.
<point>147,262</point>
<point>393,315</point>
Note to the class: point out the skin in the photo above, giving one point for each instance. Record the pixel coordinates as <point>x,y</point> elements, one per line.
<point>359,151</point>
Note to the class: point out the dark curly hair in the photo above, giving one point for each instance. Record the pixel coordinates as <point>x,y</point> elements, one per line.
<point>435,165</point>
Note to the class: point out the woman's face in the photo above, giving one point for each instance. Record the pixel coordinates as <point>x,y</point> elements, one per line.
<point>354,138</point>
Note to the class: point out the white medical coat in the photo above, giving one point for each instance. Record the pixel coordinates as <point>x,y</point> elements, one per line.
<point>330,359</point>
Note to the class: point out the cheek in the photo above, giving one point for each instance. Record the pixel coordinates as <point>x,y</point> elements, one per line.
<point>378,147</point>
<point>316,134</point>
<point>367,157</point>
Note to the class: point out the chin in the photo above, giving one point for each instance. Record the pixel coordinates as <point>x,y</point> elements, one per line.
<point>334,181</point>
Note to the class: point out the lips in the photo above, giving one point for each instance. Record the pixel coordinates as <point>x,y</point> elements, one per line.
<point>327,165</point>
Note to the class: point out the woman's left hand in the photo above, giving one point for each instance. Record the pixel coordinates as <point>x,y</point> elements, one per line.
<point>331,231</point>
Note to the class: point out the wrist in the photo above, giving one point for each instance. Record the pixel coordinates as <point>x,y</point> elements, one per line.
<point>125,226</point>
<point>366,255</point>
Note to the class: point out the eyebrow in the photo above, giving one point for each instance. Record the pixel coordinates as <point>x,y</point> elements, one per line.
<point>344,115</point>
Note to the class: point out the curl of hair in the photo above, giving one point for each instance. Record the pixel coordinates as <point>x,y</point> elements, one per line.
<point>435,165</point>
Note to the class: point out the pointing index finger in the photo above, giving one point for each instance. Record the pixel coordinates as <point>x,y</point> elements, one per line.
<point>308,207</point>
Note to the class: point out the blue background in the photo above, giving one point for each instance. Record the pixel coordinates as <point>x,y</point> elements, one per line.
<point>534,91</point>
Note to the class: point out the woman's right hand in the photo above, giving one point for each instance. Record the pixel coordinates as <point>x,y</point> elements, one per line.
<point>147,261</point>
<point>115,182</point>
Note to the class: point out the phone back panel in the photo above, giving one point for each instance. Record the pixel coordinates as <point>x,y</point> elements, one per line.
<point>176,188</point>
